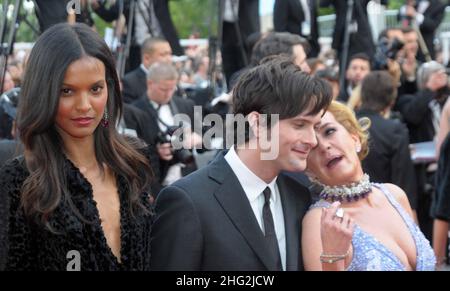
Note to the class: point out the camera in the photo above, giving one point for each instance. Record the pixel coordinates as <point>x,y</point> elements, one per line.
<point>386,50</point>
<point>9,102</point>
<point>182,155</point>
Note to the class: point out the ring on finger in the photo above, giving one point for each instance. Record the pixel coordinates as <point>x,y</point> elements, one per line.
<point>339,213</point>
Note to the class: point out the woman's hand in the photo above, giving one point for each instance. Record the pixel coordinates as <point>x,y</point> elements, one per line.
<point>336,232</point>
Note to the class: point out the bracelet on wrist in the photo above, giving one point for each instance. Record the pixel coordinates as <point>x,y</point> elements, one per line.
<point>332,258</point>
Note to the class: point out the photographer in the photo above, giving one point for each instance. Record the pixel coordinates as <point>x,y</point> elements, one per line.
<point>427,15</point>
<point>422,110</point>
<point>161,109</point>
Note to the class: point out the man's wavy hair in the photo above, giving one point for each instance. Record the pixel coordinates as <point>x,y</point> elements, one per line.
<point>278,86</point>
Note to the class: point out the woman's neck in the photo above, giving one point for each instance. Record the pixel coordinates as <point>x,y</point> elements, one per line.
<point>81,152</point>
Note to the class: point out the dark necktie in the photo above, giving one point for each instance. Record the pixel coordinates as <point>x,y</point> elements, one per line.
<point>269,229</point>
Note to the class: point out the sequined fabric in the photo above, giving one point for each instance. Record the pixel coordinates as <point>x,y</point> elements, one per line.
<point>371,255</point>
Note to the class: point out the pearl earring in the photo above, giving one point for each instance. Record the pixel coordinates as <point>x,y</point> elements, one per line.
<point>358,148</point>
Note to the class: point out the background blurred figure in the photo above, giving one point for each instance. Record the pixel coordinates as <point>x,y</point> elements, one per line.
<point>389,159</point>
<point>8,82</point>
<point>152,19</point>
<point>161,106</point>
<point>427,15</point>
<point>51,12</point>
<point>134,83</point>
<point>240,19</point>
<point>359,66</point>
<point>422,113</point>
<point>299,17</point>
<point>440,208</point>
<point>331,77</point>
<point>361,40</point>
<point>315,64</point>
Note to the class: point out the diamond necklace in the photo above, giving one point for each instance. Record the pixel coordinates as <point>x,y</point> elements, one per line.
<point>349,193</point>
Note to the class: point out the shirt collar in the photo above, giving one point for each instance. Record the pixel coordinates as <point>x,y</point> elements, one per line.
<point>251,183</point>
<point>154,104</point>
<point>143,68</point>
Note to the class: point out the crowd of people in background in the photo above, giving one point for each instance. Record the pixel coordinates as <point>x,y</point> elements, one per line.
<point>398,84</point>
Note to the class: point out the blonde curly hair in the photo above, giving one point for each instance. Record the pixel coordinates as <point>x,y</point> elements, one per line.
<point>346,116</point>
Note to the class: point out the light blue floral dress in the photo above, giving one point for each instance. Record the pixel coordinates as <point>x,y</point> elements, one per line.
<point>371,255</point>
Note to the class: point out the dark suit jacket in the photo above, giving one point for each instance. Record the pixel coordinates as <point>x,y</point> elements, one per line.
<point>205,222</point>
<point>4,227</point>
<point>360,42</point>
<point>288,16</point>
<point>418,115</point>
<point>389,159</point>
<point>433,16</point>
<point>134,85</point>
<point>248,22</point>
<point>440,207</point>
<point>150,136</point>
<point>136,119</point>
<point>162,13</point>
<point>9,149</point>
<point>177,105</point>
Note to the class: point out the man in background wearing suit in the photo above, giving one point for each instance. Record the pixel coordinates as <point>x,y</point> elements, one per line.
<point>239,213</point>
<point>299,17</point>
<point>161,108</point>
<point>134,83</point>
<point>240,20</point>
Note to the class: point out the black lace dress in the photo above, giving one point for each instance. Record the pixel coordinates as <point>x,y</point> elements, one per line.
<point>32,247</point>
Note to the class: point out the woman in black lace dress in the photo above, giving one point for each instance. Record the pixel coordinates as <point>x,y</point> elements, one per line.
<point>77,198</point>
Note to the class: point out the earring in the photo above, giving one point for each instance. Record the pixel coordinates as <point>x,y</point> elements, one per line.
<point>358,148</point>
<point>105,121</point>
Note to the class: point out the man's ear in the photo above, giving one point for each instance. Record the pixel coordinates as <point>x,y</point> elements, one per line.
<point>253,121</point>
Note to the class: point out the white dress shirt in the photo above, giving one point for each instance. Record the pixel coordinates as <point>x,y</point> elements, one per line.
<point>253,187</point>
<point>306,25</point>
<point>231,10</point>
<point>165,115</point>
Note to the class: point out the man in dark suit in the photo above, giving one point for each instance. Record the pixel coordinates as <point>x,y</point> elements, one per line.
<point>161,110</point>
<point>240,20</point>
<point>361,40</point>
<point>134,83</point>
<point>239,213</point>
<point>299,17</point>
<point>389,159</point>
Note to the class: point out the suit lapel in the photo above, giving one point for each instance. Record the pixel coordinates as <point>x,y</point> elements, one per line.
<point>291,225</point>
<point>234,202</point>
